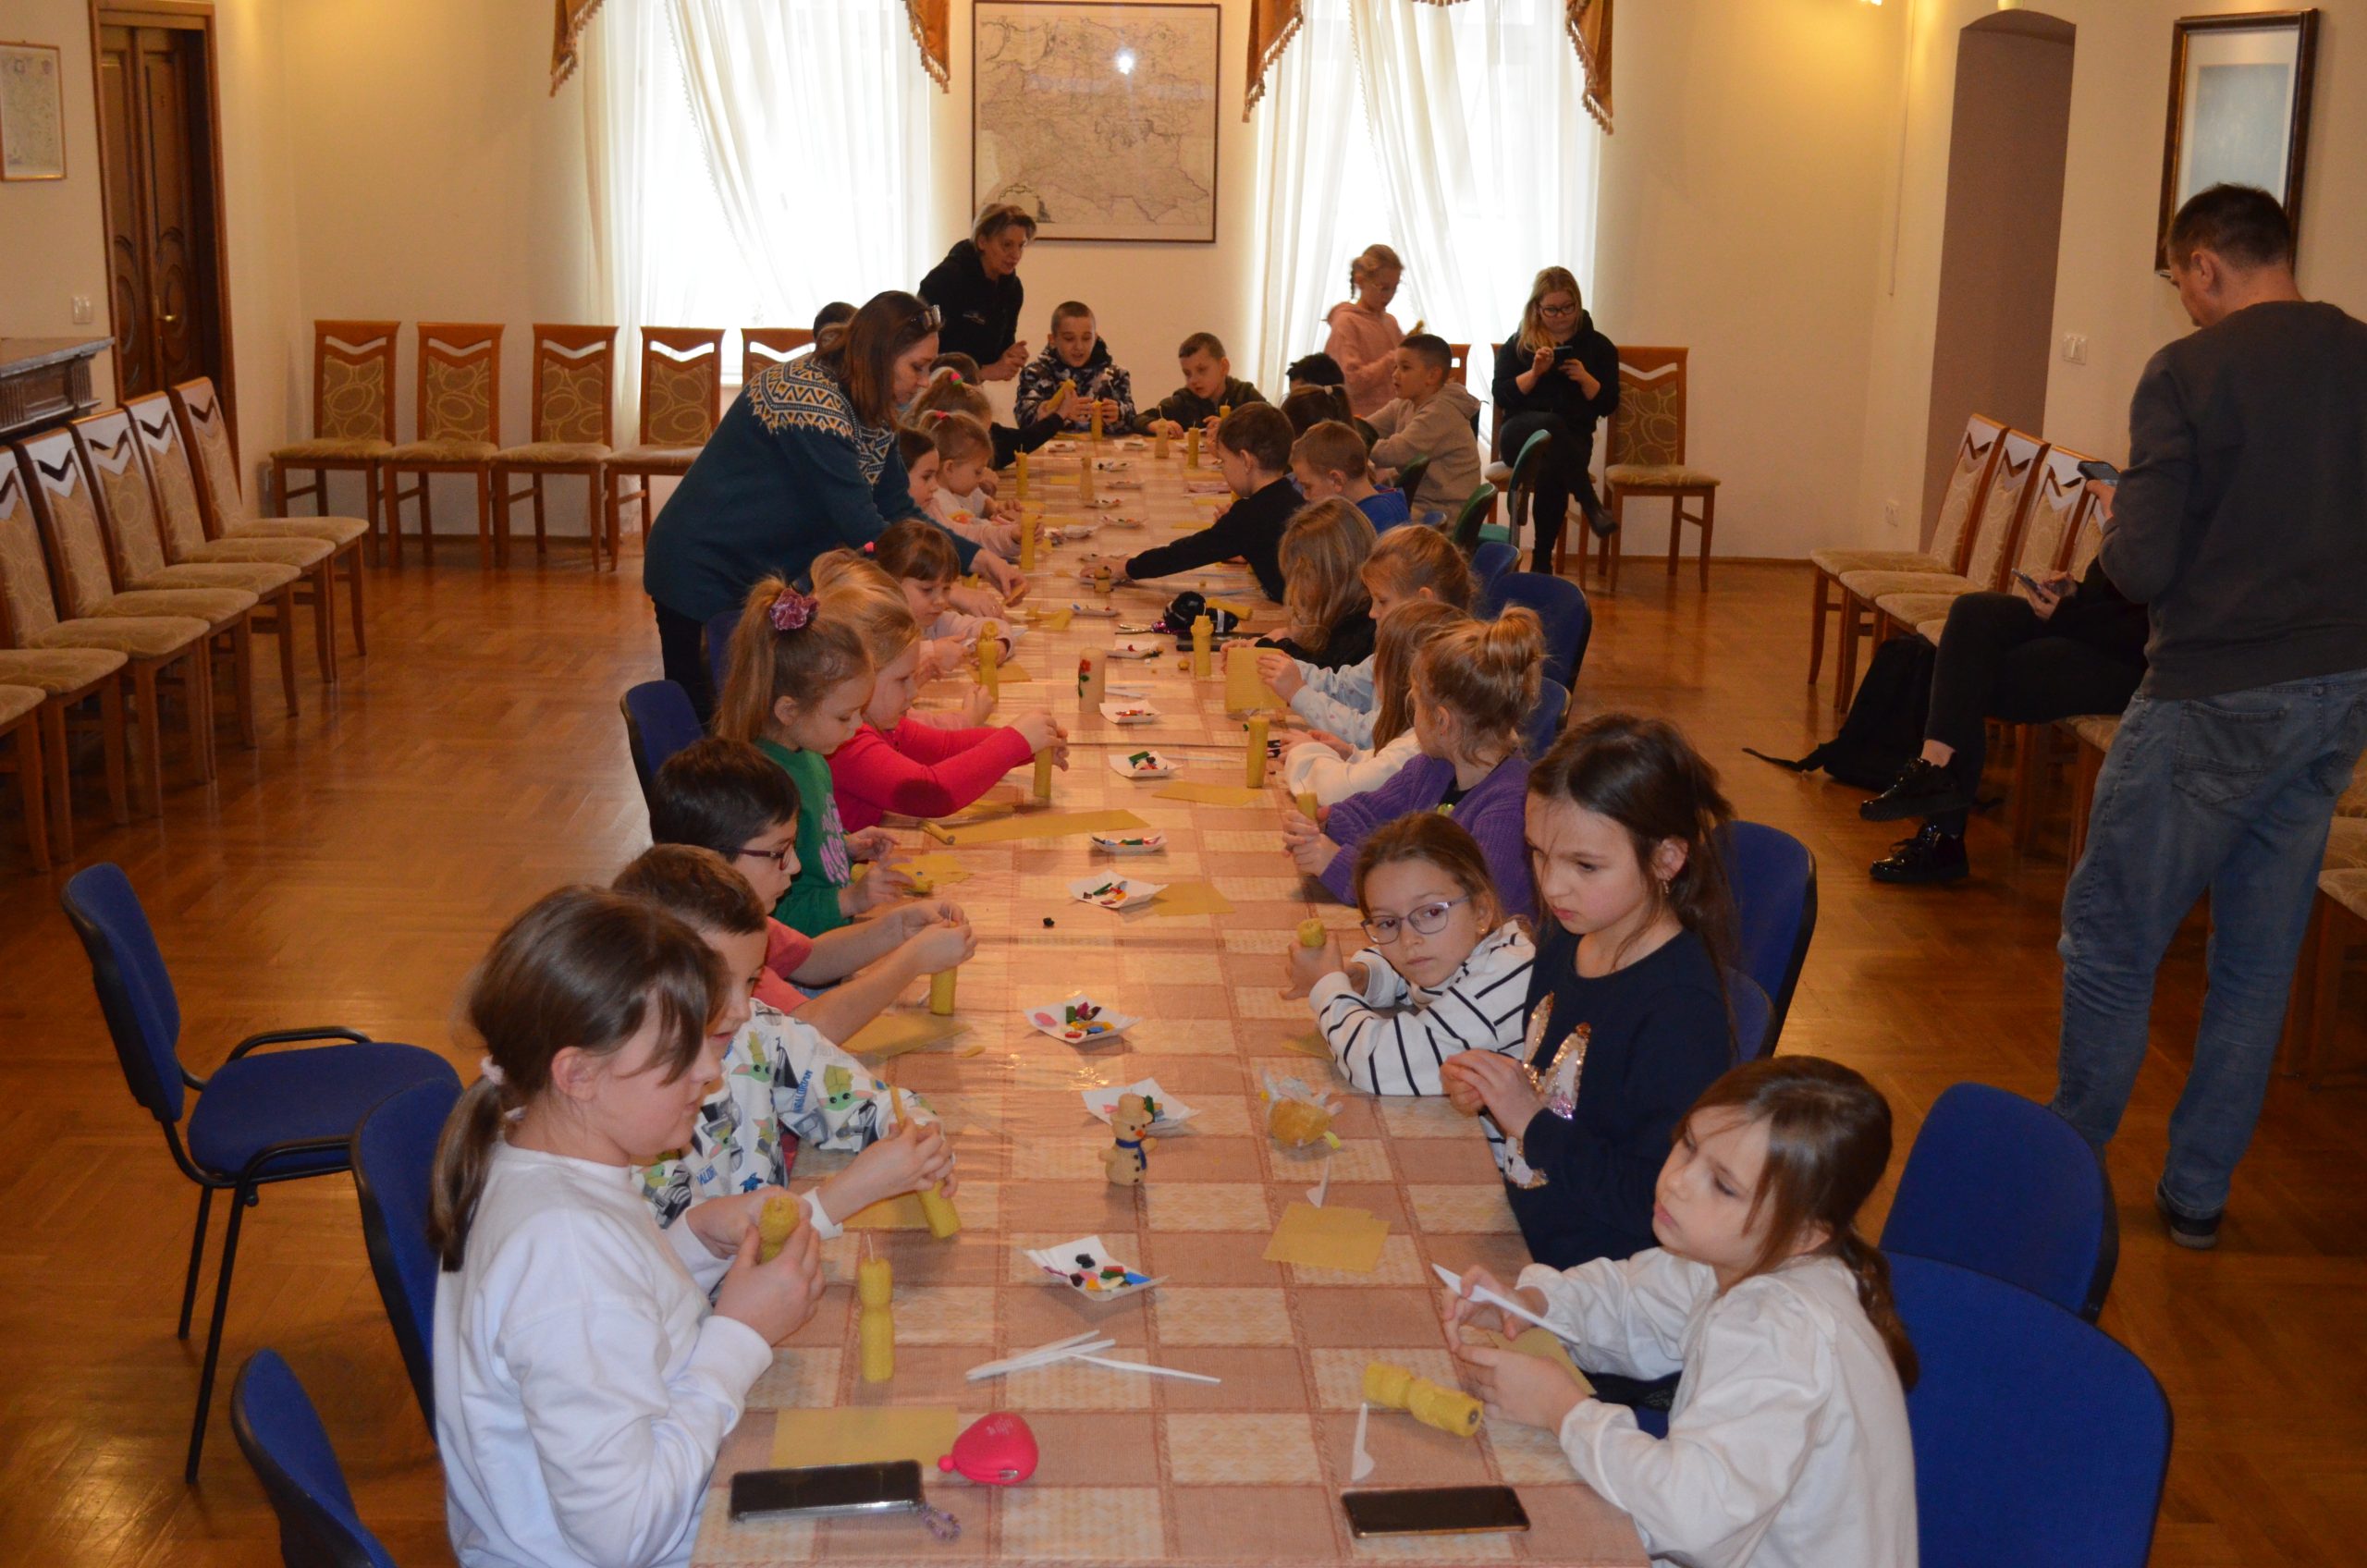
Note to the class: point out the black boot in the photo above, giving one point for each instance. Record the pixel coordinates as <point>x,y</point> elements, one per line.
<point>1933,856</point>
<point>1921,788</point>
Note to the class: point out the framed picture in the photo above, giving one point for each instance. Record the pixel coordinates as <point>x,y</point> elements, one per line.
<point>33,115</point>
<point>1099,119</point>
<point>2240,109</point>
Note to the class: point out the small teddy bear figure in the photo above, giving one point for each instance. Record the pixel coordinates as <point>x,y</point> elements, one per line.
<point>1128,1158</point>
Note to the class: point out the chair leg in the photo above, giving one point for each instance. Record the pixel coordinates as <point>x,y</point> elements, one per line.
<point>1676,521</point>
<point>116,729</point>
<point>392,498</point>
<point>197,670</point>
<point>484,519</point>
<point>1845,663</point>
<point>354,595</point>
<point>196,1256</point>
<point>284,606</point>
<point>609,504</point>
<point>1708,522</point>
<point>542,539</point>
<point>324,618</point>
<point>238,1204</point>
<point>32,787</point>
<point>151,760</point>
<point>1817,605</point>
<point>60,791</point>
<point>1615,547</point>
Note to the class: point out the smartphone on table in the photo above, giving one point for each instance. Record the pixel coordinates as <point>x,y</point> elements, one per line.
<point>1434,1511</point>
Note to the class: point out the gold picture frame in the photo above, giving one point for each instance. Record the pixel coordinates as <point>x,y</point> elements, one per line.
<point>32,111</point>
<point>2240,109</point>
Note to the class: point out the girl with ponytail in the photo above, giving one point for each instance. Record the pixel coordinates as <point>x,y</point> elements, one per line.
<point>1787,1443</point>
<point>583,1385</point>
<point>1474,687</point>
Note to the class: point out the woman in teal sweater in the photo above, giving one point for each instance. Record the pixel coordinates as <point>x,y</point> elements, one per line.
<point>804,461</point>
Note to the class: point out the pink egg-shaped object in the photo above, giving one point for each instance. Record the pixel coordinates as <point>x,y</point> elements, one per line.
<point>996,1451</point>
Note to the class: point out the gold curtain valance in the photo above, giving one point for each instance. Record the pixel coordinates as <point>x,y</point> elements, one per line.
<point>575,15</point>
<point>929,18</point>
<point>1273,23</point>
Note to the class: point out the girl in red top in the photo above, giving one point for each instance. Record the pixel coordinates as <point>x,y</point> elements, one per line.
<point>895,762</point>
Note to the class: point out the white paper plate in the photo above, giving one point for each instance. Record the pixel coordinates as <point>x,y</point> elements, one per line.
<point>1114,892</point>
<point>1073,1263</point>
<point>1130,843</point>
<point>1051,1017</point>
<point>1125,768</point>
<point>1173,1112</point>
<point>1130,713</point>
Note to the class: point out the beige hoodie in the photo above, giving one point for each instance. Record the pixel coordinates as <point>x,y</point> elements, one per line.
<point>1442,428</point>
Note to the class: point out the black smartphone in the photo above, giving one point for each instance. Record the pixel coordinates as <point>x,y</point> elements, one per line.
<point>1434,1511</point>
<point>1564,351</point>
<point>886,1488</point>
<point>2099,471</point>
<point>2034,586</point>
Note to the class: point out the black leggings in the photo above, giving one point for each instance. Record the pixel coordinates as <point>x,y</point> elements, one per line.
<point>681,642</point>
<point>1565,476</point>
<point>1999,660</point>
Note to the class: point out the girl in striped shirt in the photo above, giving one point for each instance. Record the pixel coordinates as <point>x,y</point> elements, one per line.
<point>1446,972</point>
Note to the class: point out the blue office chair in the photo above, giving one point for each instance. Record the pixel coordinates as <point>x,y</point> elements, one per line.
<point>660,721</point>
<point>1773,878</point>
<point>1521,486</point>
<point>719,646</point>
<point>278,1116</point>
<point>394,1157</point>
<point>1754,1016</point>
<point>1471,517</point>
<point>1545,719</point>
<point>2001,1185</point>
<point>281,1434</point>
<point>1489,564</point>
<point>1562,606</point>
<point>2038,1439</point>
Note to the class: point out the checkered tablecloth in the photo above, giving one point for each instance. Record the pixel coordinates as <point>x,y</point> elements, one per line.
<point>1136,1470</point>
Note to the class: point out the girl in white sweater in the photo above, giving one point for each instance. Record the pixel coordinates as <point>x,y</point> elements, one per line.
<point>583,1383</point>
<point>1330,768</point>
<point>1788,1445</point>
<point>1446,972</point>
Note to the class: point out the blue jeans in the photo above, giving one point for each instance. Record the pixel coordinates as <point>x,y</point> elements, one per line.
<point>2233,794</point>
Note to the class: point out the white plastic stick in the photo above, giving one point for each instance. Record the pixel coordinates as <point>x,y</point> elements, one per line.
<point>1043,1356</point>
<point>1360,1460</point>
<point>1154,1371</point>
<point>1454,1287</point>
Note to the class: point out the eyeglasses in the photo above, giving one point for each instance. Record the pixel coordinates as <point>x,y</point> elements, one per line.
<point>1427,921</point>
<point>779,857</point>
<point>1557,310</point>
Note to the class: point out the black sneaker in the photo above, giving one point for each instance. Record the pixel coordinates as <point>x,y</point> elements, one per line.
<point>1930,856</point>
<point>2198,1236</point>
<point>1921,788</point>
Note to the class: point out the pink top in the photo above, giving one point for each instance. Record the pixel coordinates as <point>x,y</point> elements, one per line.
<point>785,953</point>
<point>919,770</point>
<point>1362,341</point>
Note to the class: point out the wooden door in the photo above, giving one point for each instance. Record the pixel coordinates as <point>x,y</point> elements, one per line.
<point>157,147</point>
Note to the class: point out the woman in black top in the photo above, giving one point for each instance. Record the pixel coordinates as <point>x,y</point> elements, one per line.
<point>976,290</point>
<point>1558,374</point>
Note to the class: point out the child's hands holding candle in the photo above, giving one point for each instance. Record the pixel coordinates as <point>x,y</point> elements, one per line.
<point>1280,670</point>
<point>1501,1083</point>
<point>775,1298</point>
<point>1308,849</point>
<point>721,1223</point>
<point>1527,1388</point>
<point>1041,730</point>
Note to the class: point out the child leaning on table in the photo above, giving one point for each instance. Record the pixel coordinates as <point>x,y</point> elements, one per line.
<point>1446,971</point>
<point>1405,565</point>
<point>583,1385</point>
<point>1329,770</point>
<point>1322,557</point>
<point>782,1082</point>
<point>960,502</point>
<point>921,560</point>
<point>1788,1445</point>
<point>1329,459</point>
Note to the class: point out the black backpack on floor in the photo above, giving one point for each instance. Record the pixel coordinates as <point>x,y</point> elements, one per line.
<point>1885,727</point>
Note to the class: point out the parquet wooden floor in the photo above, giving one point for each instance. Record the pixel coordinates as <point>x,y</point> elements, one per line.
<point>353,868</point>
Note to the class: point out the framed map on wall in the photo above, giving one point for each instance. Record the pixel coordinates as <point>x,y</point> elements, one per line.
<point>1099,119</point>
<point>32,124</point>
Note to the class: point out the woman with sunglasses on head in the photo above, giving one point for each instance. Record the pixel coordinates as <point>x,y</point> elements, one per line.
<point>804,461</point>
<point>1560,375</point>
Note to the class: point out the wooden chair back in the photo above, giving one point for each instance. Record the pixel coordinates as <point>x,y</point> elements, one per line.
<point>60,487</point>
<point>1968,479</point>
<point>127,499</point>
<point>761,348</point>
<point>2020,459</point>
<point>26,608</point>
<point>2087,537</point>
<point>353,380</point>
<point>1458,363</point>
<point>1648,429</point>
<point>2053,513</point>
<point>575,370</point>
<point>460,381</point>
<point>162,448</point>
<point>682,385</point>
<point>211,454</point>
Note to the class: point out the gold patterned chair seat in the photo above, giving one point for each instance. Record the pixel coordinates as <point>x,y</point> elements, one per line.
<point>336,532</point>
<point>1930,630</point>
<point>1836,563</point>
<point>657,460</point>
<point>1653,476</point>
<point>213,605</point>
<point>270,549</point>
<point>552,454</point>
<point>18,701</point>
<point>256,577</point>
<point>1914,609</point>
<point>136,636</point>
<point>2347,888</point>
<point>349,448</point>
<point>2346,845</point>
<point>2354,800</point>
<point>412,452</point>
<point>1871,586</point>
<point>58,670</point>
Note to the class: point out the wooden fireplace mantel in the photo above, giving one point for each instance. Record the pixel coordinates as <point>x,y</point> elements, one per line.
<point>45,380</point>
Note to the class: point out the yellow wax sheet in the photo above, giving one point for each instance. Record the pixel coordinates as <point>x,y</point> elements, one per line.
<point>1347,1239</point>
<point>1312,1044</point>
<point>939,866</point>
<point>1010,673</point>
<point>1053,621</point>
<point>1190,898</point>
<point>1538,1342</point>
<point>1214,795</point>
<point>894,1033</point>
<point>901,1212</point>
<point>865,1435</point>
<point>1037,825</point>
<point>1244,690</point>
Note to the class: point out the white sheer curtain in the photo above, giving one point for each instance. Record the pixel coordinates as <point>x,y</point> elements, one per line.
<point>1458,135</point>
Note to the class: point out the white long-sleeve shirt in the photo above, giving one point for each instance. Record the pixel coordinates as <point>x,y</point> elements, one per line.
<point>1312,767</point>
<point>1391,1039</point>
<point>582,1388</point>
<point>1788,1445</point>
<point>1338,701</point>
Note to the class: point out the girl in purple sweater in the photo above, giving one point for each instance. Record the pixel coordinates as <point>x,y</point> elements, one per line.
<point>1473,688</point>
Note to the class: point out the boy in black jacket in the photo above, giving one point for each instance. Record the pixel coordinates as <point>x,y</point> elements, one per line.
<point>1254,453</point>
<point>1209,389</point>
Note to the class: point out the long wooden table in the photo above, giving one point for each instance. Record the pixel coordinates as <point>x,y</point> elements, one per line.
<point>1137,1470</point>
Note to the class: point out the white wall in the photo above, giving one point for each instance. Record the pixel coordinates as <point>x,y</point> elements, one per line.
<point>52,233</point>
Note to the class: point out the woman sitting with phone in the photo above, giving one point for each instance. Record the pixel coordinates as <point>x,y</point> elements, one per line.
<point>2054,649</point>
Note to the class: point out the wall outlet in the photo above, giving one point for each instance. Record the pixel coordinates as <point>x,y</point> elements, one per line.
<point>2074,348</point>
<point>83,315</point>
<point>1890,515</point>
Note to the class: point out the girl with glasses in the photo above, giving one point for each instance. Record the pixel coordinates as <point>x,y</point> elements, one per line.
<point>1559,375</point>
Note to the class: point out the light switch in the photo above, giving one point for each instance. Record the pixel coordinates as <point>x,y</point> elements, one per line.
<point>83,315</point>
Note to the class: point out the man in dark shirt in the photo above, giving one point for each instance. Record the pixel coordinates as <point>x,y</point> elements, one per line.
<point>2241,524</point>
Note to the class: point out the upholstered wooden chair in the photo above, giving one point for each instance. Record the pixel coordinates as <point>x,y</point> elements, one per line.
<point>761,348</point>
<point>2337,930</point>
<point>353,417</point>
<point>1976,451</point>
<point>1645,458</point>
<point>575,429</point>
<point>20,718</point>
<point>81,572</point>
<point>1458,363</point>
<point>81,688</point>
<point>135,539</point>
<point>156,650</point>
<point>2013,491</point>
<point>459,430</point>
<point>682,398</point>
<point>180,516</point>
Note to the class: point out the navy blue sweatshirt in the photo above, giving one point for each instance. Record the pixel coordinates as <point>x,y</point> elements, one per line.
<point>1661,1036</point>
<point>1251,528</point>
